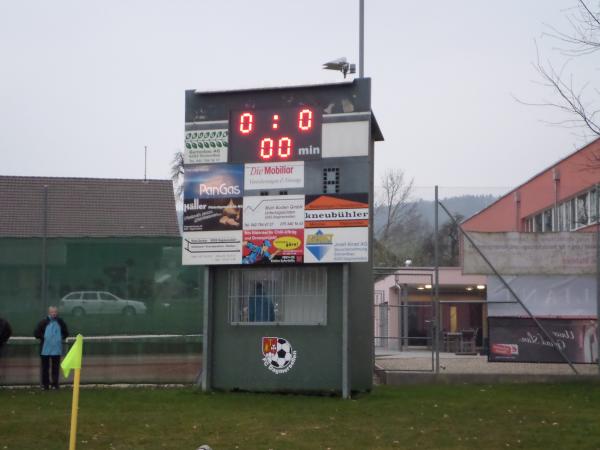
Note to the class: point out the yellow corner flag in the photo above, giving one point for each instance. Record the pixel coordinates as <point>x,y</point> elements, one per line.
<point>73,358</point>
<point>73,361</point>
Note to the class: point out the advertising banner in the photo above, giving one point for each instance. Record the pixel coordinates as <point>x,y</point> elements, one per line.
<point>545,295</point>
<point>282,175</point>
<point>212,214</point>
<point>205,146</point>
<point>273,212</point>
<point>531,253</point>
<point>212,248</point>
<point>520,340</point>
<point>333,211</point>
<point>273,246</point>
<point>213,181</point>
<point>336,245</point>
<point>212,199</point>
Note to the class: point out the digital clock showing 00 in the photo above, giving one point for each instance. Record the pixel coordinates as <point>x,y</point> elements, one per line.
<point>275,134</point>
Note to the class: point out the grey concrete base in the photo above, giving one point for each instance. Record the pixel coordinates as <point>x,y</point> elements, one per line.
<point>404,378</point>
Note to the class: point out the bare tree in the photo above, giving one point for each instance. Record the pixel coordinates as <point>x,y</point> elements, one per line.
<point>393,198</point>
<point>580,40</point>
<point>177,172</point>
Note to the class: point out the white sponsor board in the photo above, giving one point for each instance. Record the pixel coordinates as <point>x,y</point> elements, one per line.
<point>345,139</point>
<point>286,175</point>
<point>531,253</point>
<point>323,245</point>
<point>545,296</point>
<point>273,212</point>
<point>212,247</point>
<point>205,146</point>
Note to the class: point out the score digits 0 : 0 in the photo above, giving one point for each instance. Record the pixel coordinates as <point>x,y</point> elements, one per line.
<point>283,134</point>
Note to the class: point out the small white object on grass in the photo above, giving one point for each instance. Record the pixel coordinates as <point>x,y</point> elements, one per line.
<point>204,447</point>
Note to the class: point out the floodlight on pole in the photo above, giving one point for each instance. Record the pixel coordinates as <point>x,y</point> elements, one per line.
<point>342,65</point>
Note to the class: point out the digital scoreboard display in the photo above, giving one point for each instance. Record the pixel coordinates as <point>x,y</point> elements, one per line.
<point>275,134</point>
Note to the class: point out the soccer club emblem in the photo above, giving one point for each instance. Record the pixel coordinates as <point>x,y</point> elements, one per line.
<point>279,357</point>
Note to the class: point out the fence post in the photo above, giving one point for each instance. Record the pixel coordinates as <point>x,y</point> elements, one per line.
<point>436,291</point>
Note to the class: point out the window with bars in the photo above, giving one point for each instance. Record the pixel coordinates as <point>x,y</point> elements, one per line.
<point>278,295</point>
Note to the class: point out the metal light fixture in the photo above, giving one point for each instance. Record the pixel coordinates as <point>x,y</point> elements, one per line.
<point>342,65</point>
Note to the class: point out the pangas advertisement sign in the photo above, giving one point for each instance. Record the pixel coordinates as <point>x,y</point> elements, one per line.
<point>204,181</point>
<point>520,340</point>
<point>531,253</point>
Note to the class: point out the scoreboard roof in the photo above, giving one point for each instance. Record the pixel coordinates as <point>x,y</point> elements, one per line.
<point>333,98</point>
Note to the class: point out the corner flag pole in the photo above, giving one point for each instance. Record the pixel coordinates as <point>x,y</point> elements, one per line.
<point>74,410</point>
<point>73,361</point>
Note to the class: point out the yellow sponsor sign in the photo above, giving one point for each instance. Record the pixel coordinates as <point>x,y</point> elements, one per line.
<point>287,243</point>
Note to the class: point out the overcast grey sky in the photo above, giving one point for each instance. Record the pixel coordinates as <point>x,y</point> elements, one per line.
<point>85,85</point>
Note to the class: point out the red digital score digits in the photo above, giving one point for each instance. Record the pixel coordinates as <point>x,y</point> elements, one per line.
<point>282,134</point>
<point>246,121</point>
<point>305,120</point>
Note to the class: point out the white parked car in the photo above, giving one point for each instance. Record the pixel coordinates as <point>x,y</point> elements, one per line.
<point>99,302</point>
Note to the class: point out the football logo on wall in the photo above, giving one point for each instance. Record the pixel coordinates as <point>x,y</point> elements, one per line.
<point>279,357</point>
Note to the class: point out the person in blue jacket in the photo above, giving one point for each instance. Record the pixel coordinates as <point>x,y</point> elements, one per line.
<point>260,306</point>
<point>51,331</point>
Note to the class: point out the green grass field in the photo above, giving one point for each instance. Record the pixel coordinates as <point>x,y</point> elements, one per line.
<point>562,416</point>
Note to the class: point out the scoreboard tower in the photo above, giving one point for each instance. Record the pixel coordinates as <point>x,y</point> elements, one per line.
<point>278,196</point>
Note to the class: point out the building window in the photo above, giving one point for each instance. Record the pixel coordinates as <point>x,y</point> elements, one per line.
<point>278,295</point>
<point>593,207</point>
<point>548,221</point>
<point>582,210</point>
<point>573,223</point>
<point>537,224</point>
<point>560,219</point>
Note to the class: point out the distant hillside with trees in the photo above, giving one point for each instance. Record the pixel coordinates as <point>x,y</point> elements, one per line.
<point>404,229</point>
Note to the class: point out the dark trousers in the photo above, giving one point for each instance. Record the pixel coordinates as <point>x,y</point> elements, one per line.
<point>47,362</point>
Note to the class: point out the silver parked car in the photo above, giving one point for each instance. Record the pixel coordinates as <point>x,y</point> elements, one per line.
<point>99,302</point>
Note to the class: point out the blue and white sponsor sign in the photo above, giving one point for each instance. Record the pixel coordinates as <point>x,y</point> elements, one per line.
<point>213,180</point>
<point>333,245</point>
